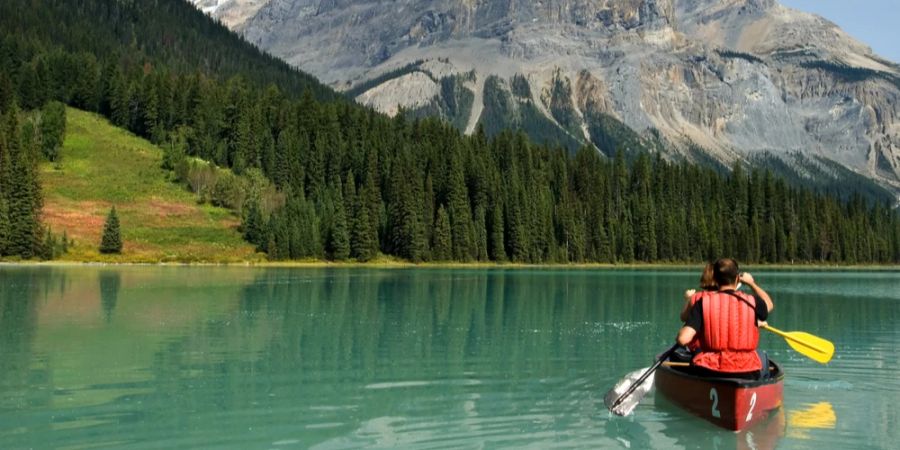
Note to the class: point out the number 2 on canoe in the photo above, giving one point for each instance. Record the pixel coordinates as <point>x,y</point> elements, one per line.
<point>714,396</point>
<point>752,405</point>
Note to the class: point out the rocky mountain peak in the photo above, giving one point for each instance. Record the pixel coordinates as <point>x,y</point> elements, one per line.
<point>712,80</point>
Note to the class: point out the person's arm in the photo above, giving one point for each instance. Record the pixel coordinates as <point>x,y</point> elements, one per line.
<point>693,323</point>
<point>686,335</point>
<point>688,294</point>
<point>759,292</point>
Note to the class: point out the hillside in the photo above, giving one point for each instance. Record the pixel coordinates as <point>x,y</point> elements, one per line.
<point>102,166</point>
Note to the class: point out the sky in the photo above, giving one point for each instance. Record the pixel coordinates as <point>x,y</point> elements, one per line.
<point>874,22</point>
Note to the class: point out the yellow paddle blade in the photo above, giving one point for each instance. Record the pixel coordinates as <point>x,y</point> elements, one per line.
<point>813,347</point>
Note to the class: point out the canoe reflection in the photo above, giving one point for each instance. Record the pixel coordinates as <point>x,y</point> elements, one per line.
<point>811,416</point>
<point>761,436</point>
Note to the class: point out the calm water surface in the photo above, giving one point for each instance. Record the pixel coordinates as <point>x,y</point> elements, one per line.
<point>173,357</point>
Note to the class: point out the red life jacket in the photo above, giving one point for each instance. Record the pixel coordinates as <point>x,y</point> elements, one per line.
<point>729,337</point>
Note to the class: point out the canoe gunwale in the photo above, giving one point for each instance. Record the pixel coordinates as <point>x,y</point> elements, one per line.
<point>741,383</point>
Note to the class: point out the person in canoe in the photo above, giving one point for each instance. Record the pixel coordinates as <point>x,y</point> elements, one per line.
<point>726,322</point>
<point>685,353</point>
<point>691,296</point>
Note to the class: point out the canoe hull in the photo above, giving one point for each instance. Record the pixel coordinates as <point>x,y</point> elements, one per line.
<point>730,403</point>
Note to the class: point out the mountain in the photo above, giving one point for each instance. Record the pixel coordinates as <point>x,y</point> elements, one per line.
<point>705,80</point>
<point>230,12</point>
<point>311,175</point>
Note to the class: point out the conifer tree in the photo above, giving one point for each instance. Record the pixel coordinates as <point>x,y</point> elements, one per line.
<point>23,203</point>
<point>149,123</point>
<point>4,192</point>
<point>339,244</point>
<point>53,129</point>
<point>497,244</point>
<point>4,226</point>
<point>370,198</point>
<point>362,245</point>
<point>461,225</point>
<point>480,233</point>
<point>111,242</point>
<point>405,233</point>
<point>7,92</point>
<point>442,247</point>
<point>428,214</point>
<point>253,226</point>
<point>120,102</point>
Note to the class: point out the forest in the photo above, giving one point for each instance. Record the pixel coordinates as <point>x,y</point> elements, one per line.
<point>340,181</point>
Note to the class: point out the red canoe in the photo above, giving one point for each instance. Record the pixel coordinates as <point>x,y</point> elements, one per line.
<point>731,403</point>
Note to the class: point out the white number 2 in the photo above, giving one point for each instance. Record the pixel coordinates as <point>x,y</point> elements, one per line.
<point>714,396</point>
<point>752,405</point>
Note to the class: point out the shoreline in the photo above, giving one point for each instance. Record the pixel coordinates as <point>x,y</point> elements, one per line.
<point>400,264</point>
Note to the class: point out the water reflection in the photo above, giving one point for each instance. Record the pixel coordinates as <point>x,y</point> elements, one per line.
<point>332,358</point>
<point>25,377</point>
<point>680,429</point>
<point>816,416</point>
<point>110,283</point>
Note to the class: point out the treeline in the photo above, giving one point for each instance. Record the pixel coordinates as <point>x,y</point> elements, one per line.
<point>26,138</point>
<point>347,182</point>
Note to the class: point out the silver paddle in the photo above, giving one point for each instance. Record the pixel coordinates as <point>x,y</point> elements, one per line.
<point>621,400</point>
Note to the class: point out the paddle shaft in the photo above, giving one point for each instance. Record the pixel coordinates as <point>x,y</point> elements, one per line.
<point>778,332</point>
<point>643,377</point>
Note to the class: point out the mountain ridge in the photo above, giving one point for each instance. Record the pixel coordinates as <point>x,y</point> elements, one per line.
<point>736,78</point>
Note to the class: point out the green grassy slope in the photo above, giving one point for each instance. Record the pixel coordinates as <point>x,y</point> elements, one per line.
<point>104,166</point>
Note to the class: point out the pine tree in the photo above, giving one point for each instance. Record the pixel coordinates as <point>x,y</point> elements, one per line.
<point>149,124</point>
<point>23,202</point>
<point>7,92</point>
<point>111,242</point>
<point>461,225</point>
<point>253,226</point>
<point>339,246</point>
<point>4,226</point>
<point>53,129</point>
<point>480,233</point>
<point>498,249</point>
<point>428,214</point>
<point>370,198</point>
<point>362,245</point>
<point>441,246</point>
<point>4,192</point>
<point>120,101</point>
<point>406,236</point>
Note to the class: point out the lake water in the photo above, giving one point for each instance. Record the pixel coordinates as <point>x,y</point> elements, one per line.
<point>263,358</point>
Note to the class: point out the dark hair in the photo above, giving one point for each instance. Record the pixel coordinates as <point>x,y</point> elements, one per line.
<point>725,271</point>
<point>707,282</point>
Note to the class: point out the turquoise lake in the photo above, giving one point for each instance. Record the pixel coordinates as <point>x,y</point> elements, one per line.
<point>273,358</point>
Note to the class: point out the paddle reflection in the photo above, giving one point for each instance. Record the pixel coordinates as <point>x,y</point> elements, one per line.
<point>812,416</point>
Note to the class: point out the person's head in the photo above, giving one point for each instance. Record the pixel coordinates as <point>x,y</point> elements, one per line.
<point>725,272</point>
<point>707,282</point>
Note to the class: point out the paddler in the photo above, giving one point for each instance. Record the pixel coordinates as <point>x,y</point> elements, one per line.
<point>726,323</point>
<point>686,353</point>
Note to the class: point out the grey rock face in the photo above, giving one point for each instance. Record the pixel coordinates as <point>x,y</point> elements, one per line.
<point>738,78</point>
